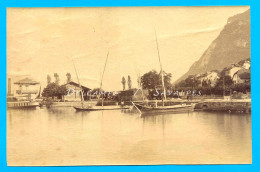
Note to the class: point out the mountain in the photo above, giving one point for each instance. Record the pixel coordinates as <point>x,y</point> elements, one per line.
<point>231,46</point>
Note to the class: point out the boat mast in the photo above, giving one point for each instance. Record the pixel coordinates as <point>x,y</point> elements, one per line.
<point>81,90</point>
<point>164,92</point>
<point>102,78</point>
<point>140,85</point>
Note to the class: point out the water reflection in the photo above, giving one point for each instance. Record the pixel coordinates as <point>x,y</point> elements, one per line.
<point>62,136</point>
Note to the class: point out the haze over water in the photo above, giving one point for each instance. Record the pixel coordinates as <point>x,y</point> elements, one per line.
<point>62,136</point>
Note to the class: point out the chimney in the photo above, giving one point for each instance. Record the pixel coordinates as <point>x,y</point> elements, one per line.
<point>9,87</point>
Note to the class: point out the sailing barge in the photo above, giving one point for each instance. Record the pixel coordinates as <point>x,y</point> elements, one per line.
<point>96,108</point>
<point>142,108</point>
<point>145,109</point>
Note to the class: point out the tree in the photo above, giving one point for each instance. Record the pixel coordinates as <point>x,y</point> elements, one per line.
<point>57,79</point>
<point>167,79</point>
<point>48,79</point>
<point>209,83</point>
<point>224,83</point>
<point>152,80</point>
<point>96,91</point>
<point>224,80</point>
<point>206,83</point>
<point>68,77</point>
<point>242,87</point>
<point>53,90</point>
<point>191,82</point>
<point>129,82</point>
<point>123,82</point>
<point>50,90</point>
<point>62,91</point>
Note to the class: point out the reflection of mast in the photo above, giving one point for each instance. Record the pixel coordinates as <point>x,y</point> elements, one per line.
<point>164,92</point>
<point>82,99</point>
<point>102,79</point>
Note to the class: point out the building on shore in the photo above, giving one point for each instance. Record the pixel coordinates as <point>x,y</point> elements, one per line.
<point>23,94</point>
<point>240,73</point>
<point>242,76</point>
<point>26,89</point>
<point>74,92</point>
<point>210,78</point>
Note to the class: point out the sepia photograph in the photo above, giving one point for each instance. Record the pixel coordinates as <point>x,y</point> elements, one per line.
<point>128,86</point>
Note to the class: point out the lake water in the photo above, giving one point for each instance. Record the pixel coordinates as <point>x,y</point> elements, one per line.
<point>62,136</point>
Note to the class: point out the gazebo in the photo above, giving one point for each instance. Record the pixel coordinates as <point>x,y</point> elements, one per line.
<point>26,82</point>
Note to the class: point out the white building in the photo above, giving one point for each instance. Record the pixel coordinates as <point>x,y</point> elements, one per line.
<point>210,77</point>
<point>240,73</point>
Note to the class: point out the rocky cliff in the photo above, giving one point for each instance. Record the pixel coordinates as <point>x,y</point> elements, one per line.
<point>231,46</point>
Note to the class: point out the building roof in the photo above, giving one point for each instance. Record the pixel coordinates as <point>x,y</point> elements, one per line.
<point>77,85</point>
<point>244,74</point>
<point>27,81</point>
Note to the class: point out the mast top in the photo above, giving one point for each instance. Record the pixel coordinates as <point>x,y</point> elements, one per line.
<point>163,87</point>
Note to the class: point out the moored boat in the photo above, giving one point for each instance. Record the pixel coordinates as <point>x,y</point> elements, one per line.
<point>100,97</point>
<point>145,108</point>
<point>23,98</point>
<point>13,103</point>
<point>100,108</point>
<point>164,109</point>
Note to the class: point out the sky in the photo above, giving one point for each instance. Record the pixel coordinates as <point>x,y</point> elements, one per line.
<point>42,41</point>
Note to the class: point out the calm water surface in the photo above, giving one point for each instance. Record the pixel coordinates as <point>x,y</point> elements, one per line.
<point>61,136</point>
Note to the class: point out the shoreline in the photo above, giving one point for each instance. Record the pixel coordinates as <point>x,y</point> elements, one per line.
<point>234,105</point>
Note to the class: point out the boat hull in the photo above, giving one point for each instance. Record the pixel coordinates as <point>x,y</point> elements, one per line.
<point>22,105</point>
<point>166,109</point>
<point>100,108</point>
